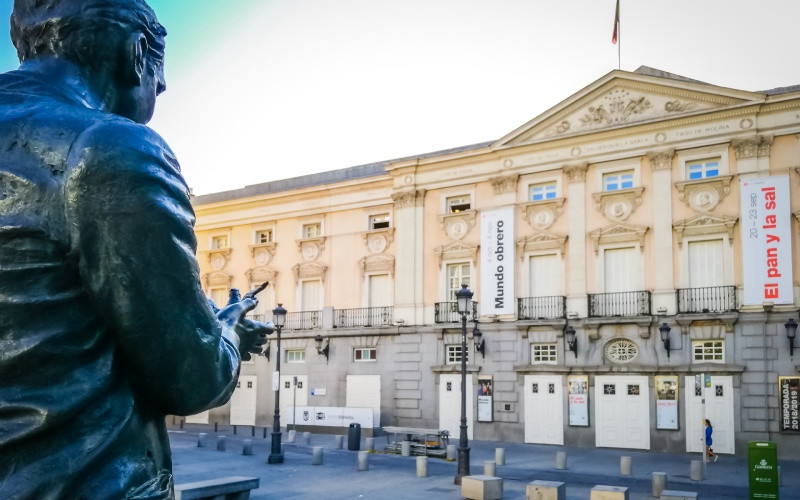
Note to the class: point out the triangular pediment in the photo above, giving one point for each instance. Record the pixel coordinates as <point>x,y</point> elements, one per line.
<point>618,233</point>
<point>706,224</point>
<point>456,250</point>
<point>540,241</point>
<point>622,98</point>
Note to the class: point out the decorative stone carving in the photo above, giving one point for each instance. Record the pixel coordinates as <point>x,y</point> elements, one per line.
<point>408,198</point>
<point>705,224</point>
<point>216,279</point>
<point>618,233</point>
<point>309,270</point>
<point>311,248</point>
<point>456,250</point>
<point>618,205</point>
<point>218,258</point>
<point>263,253</point>
<point>541,241</point>
<point>542,214</point>
<point>504,183</point>
<point>576,173</point>
<point>376,264</point>
<point>661,160</point>
<point>679,106</point>
<point>752,147</point>
<point>457,225</point>
<point>377,240</point>
<point>618,106</point>
<point>261,274</point>
<point>621,350</point>
<point>704,195</point>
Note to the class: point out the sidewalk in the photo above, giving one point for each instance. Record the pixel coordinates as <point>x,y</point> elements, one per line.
<point>394,477</point>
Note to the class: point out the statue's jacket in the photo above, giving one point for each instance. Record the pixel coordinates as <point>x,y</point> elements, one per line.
<point>104,328</point>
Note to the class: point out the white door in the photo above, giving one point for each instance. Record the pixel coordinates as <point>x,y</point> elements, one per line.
<point>544,409</point>
<point>243,401</point>
<point>294,392</point>
<point>705,264</point>
<point>199,418</point>
<point>450,405</point>
<point>719,410</point>
<point>380,291</point>
<point>311,297</point>
<point>620,269</point>
<point>545,275</point>
<point>364,391</point>
<point>622,416</point>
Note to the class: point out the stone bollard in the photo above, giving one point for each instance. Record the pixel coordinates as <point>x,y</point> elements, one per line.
<point>780,477</point>
<point>201,440</point>
<point>451,452</point>
<point>363,460</point>
<point>696,470</point>
<point>625,465</point>
<point>290,436</point>
<point>500,456</point>
<point>546,490</point>
<point>405,448</point>
<point>422,466</point>
<point>220,443</point>
<point>247,447</point>
<point>659,483</point>
<point>340,442</point>
<point>561,460</point>
<point>306,438</point>
<point>369,443</point>
<point>316,455</point>
<point>489,467</point>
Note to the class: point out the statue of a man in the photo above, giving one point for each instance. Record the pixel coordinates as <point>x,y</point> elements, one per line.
<point>104,328</point>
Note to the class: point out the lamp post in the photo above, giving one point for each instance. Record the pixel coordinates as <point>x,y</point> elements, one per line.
<point>791,330</point>
<point>276,456</point>
<point>664,330</point>
<point>464,298</point>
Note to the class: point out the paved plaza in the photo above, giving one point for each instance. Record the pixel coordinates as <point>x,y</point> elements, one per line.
<point>394,477</point>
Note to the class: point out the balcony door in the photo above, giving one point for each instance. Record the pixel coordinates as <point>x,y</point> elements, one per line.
<point>620,268</point>
<point>545,275</point>
<point>706,264</point>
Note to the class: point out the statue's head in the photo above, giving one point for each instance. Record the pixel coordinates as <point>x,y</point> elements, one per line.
<point>120,38</point>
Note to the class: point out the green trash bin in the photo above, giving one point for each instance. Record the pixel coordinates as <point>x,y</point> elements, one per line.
<point>762,469</point>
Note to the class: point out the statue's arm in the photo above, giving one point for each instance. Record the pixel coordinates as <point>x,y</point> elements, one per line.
<point>131,226</point>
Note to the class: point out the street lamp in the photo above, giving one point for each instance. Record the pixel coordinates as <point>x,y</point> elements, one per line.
<point>572,342</point>
<point>464,298</point>
<point>791,330</point>
<point>276,456</point>
<point>664,330</point>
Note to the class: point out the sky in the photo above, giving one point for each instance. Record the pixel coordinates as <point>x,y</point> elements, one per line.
<point>260,90</point>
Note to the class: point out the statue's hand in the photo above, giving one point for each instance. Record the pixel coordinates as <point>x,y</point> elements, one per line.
<point>252,336</point>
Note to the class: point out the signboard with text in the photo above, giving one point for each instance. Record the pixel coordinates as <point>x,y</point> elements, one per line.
<point>333,416</point>
<point>497,262</point>
<point>789,394</point>
<point>578,389</point>
<point>485,399</point>
<point>666,401</point>
<point>766,240</point>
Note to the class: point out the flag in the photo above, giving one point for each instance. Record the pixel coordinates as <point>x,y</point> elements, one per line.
<point>616,25</point>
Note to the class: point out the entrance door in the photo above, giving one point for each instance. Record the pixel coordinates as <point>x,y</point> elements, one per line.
<point>243,401</point>
<point>719,410</point>
<point>544,409</point>
<point>450,405</point>
<point>364,391</point>
<point>292,395</point>
<point>621,412</point>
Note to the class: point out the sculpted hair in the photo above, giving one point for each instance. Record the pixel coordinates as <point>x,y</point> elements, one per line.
<point>89,33</point>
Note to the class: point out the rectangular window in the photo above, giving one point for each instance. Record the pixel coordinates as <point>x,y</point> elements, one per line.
<point>453,354</point>
<point>538,192</point>
<point>457,204</point>
<point>219,242</point>
<point>708,350</point>
<point>544,354</point>
<point>295,355</point>
<point>264,236</point>
<point>702,169</point>
<point>365,354</point>
<point>312,230</point>
<point>457,275</point>
<point>618,180</point>
<point>379,221</point>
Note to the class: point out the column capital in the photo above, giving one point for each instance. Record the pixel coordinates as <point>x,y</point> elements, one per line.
<point>576,173</point>
<point>752,147</point>
<point>408,198</point>
<point>661,160</point>
<point>504,183</point>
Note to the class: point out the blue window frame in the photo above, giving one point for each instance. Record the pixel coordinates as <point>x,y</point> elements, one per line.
<point>617,181</point>
<point>538,192</point>
<point>703,169</point>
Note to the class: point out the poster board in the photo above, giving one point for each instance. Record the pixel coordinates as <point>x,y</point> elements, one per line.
<point>485,397</point>
<point>578,389</point>
<point>666,402</point>
<point>789,403</point>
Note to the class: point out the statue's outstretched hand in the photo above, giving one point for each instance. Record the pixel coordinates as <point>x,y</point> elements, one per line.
<point>252,334</point>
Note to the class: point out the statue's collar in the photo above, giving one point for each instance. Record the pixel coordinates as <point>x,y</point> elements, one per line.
<point>62,78</point>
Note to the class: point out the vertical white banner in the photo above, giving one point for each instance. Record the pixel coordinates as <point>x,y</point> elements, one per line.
<point>766,240</point>
<point>497,261</point>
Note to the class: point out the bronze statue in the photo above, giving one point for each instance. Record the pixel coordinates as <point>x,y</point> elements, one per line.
<point>104,328</point>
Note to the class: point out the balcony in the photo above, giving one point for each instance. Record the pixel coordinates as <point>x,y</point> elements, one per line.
<point>619,304</point>
<point>303,320</point>
<point>710,299</point>
<point>447,312</point>
<point>553,307</point>
<point>363,316</point>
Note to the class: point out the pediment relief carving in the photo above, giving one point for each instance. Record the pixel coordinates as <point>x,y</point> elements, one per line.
<point>542,214</point>
<point>217,278</point>
<point>618,205</point>
<point>309,270</point>
<point>704,195</point>
<point>541,241</point>
<point>261,274</point>
<point>456,250</point>
<point>618,233</point>
<point>217,258</point>
<point>263,253</point>
<point>456,225</point>
<point>376,264</point>
<point>311,248</point>
<point>377,240</point>
<point>705,224</point>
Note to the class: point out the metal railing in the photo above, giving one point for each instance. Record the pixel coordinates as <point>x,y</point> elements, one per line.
<point>709,299</point>
<point>447,312</point>
<point>363,316</point>
<point>551,307</point>
<point>303,320</point>
<point>619,304</point>
<point>263,318</point>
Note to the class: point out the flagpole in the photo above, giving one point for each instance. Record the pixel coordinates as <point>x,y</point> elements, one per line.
<point>619,39</point>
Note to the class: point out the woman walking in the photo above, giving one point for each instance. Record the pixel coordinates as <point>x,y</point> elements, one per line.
<point>709,451</point>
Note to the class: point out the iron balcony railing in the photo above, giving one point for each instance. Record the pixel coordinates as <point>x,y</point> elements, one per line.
<point>303,320</point>
<point>363,316</point>
<point>264,318</point>
<point>709,299</point>
<point>447,312</point>
<point>619,304</point>
<point>552,307</point>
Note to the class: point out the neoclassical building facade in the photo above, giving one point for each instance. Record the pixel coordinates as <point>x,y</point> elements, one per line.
<point>632,251</point>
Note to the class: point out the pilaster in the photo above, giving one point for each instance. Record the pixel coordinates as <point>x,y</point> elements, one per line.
<point>664,290</point>
<point>576,214</point>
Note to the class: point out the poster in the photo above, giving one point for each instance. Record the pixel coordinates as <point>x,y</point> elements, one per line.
<point>578,388</point>
<point>666,401</point>
<point>485,395</point>
<point>497,262</point>
<point>789,394</point>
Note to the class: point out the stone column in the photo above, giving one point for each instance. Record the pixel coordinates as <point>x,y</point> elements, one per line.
<point>664,289</point>
<point>576,265</point>
<point>752,155</point>
<point>408,279</point>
